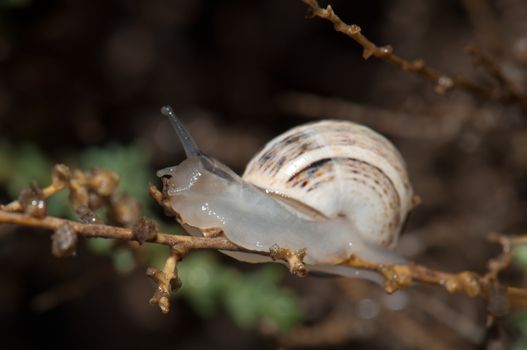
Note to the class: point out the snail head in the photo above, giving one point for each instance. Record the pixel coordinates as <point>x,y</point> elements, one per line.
<point>195,168</point>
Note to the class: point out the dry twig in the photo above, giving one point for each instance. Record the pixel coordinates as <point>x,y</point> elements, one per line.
<point>120,233</point>
<point>500,298</point>
<point>396,276</point>
<point>506,92</point>
<point>442,82</point>
<point>166,279</point>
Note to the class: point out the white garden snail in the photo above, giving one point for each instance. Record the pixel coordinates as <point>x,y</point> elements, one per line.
<point>333,188</point>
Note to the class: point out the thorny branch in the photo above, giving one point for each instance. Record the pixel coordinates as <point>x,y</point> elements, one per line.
<point>501,298</point>
<point>442,82</point>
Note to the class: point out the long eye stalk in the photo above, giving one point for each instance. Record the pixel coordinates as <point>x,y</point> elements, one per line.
<point>190,147</point>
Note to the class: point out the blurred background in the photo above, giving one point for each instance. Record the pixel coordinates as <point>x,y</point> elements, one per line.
<point>82,83</point>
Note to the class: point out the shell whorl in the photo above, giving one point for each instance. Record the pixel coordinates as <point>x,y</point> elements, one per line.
<point>338,168</point>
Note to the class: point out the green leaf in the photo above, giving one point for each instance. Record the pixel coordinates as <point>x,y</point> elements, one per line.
<point>258,297</point>
<point>102,246</point>
<point>248,298</point>
<point>202,282</point>
<point>123,260</point>
<point>156,255</point>
<point>131,163</point>
<point>15,3</point>
<point>6,161</point>
<point>27,164</point>
<point>520,256</point>
<point>520,344</point>
<point>59,205</point>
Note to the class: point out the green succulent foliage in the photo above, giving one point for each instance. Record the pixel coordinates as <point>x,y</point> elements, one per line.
<point>123,260</point>
<point>249,298</point>
<point>520,256</point>
<point>156,255</point>
<point>130,162</point>
<point>101,246</point>
<point>519,320</point>
<point>520,344</point>
<point>210,287</point>
<point>520,324</point>
<point>21,165</point>
<point>204,282</point>
<point>14,3</point>
<point>58,205</point>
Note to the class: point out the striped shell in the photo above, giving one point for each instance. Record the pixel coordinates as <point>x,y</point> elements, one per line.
<point>338,168</point>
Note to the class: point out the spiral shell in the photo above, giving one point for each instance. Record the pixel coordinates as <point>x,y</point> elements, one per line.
<point>338,168</point>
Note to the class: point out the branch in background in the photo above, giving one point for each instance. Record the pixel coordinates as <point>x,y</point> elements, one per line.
<point>443,82</point>
<point>509,91</point>
<point>396,276</point>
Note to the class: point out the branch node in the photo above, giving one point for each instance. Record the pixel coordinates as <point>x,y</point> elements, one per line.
<point>124,210</point>
<point>86,215</point>
<point>103,182</point>
<point>33,201</point>
<point>384,51</point>
<point>443,85</point>
<point>418,64</point>
<point>64,241</point>
<point>144,230</point>
<point>60,176</point>
<point>396,277</point>
<point>294,259</point>
<point>354,29</point>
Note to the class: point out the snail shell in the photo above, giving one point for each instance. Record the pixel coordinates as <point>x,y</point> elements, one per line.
<point>338,169</point>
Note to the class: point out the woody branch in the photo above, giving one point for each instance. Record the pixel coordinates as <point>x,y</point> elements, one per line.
<point>24,213</point>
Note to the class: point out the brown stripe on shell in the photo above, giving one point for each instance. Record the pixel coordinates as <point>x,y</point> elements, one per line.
<point>321,171</point>
<point>313,171</point>
<point>371,176</point>
<point>289,148</point>
<point>352,134</point>
<point>303,139</point>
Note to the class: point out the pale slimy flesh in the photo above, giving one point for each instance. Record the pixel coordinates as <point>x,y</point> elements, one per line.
<point>256,221</point>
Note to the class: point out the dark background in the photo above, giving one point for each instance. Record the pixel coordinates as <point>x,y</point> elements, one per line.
<point>78,74</point>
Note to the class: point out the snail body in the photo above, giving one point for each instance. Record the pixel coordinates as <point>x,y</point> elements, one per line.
<point>333,188</point>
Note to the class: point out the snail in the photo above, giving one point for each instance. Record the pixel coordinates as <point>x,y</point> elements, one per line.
<point>334,188</point>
